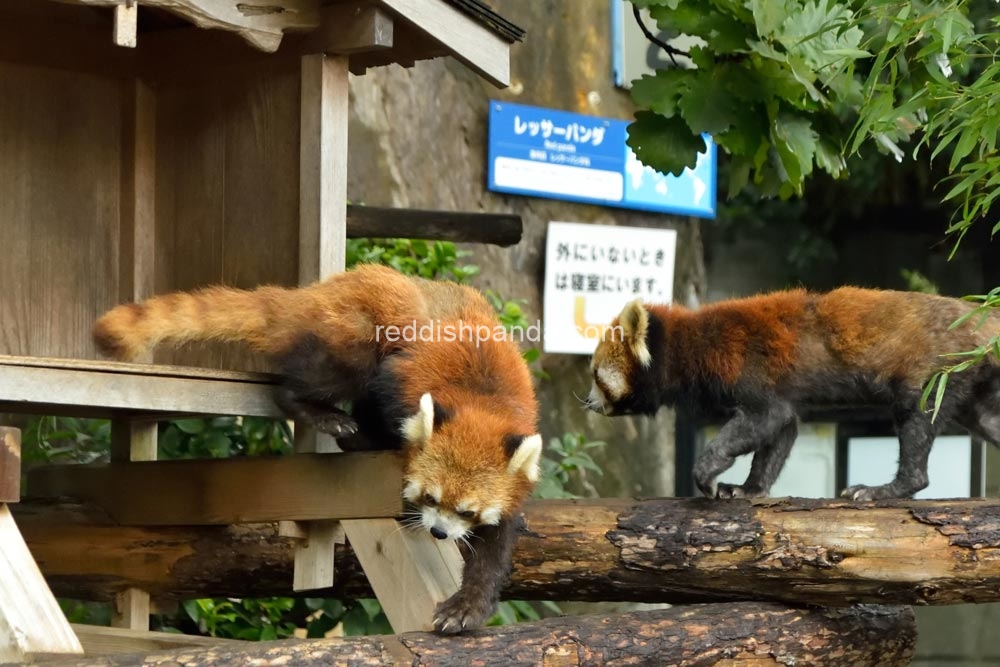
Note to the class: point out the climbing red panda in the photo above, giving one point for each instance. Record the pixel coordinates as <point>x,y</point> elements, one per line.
<point>428,369</point>
<point>757,360</point>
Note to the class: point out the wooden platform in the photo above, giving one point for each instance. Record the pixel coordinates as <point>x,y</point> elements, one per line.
<point>130,391</point>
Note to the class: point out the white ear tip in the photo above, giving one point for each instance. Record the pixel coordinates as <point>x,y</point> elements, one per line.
<point>426,403</point>
<point>526,458</point>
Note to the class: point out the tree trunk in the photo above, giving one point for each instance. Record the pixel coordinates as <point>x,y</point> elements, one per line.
<point>734,634</point>
<point>827,552</point>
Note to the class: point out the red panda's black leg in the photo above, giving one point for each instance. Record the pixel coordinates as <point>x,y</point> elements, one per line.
<point>767,463</point>
<point>916,436</point>
<point>747,431</point>
<point>487,567</point>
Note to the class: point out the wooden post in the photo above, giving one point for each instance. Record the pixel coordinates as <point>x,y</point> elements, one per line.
<point>31,621</point>
<point>322,243</point>
<point>10,464</point>
<point>323,166</point>
<point>126,23</point>
<point>131,610</point>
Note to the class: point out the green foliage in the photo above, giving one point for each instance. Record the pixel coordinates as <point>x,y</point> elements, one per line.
<point>242,619</point>
<point>977,317</point>
<point>918,282</point>
<point>86,612</point>
<point>221,437</point>
<point>65,440</point>
<point>276,618</point>
<point>438,260</point>
<point>787,87</point>
<point>567,463</point>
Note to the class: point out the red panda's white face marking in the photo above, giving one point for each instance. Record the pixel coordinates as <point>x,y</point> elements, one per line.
<point>622,348</point>
<point>451,499</point>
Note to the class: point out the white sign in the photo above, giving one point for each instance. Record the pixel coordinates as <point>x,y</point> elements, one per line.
<point>592,271</point>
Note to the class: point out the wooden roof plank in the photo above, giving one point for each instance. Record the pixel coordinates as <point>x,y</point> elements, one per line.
<point>470,42</point>
<point>262,25</point>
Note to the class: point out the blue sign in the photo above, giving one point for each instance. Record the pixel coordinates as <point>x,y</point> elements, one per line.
<point>563,155</point>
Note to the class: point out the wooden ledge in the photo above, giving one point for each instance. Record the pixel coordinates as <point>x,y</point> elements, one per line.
<point>302,487</point>
<point>131,391</point>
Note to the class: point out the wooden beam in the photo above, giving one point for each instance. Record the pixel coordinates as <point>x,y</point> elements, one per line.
<point>351,27</point>
<point>239,490</point>
<point>747,634</point>
<point>111,389</point>
<point>31,621</point>
<point>502,229</point>
<point>469,41</point>
<point>126,23</point>
<point>827,552</point>
<point>10,464</point>
<point>410,571</point>
<point>260,24</point>
<point>100,640</point>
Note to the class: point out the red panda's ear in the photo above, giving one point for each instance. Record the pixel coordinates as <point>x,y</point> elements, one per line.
<point>634,321</point>
<point>418,429</point>
<point>525,458</point>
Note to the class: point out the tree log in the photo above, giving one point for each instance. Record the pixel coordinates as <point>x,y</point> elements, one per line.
<point>735,634</point>
<point>827,552</point>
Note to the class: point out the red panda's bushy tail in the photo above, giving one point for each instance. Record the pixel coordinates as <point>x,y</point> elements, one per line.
<point>213,313</point>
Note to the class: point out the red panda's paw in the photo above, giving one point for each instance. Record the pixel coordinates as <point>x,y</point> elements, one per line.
<point>724,490</point>
<point>461,612</point>
<point>336,423</point>
<point>860,492</point>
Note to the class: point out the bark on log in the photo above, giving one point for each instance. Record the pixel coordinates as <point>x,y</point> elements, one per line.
<point>734,634</point>
<point>827,552</point>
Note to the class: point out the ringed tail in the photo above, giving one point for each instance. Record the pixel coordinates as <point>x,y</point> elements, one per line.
<point>213,313</point>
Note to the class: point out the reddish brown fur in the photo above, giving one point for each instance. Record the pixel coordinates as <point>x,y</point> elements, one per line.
<point>895,334</point>
<point>723,339</point>
<point>755,362</point>
<point>344,313</point>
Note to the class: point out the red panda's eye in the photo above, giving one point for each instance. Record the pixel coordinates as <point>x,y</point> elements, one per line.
<point>467,514</point>
<point>429,500</point>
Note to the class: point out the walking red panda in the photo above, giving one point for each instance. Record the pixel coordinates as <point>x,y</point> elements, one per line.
<point>756,360</point>
<point>459,400</point>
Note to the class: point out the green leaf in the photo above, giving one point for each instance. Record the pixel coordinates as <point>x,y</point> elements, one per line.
<point>768,15</point>
<point>716,99</point>
<point>665,144</point>
<point>795,142</point>
<point>661,92</point>
<point>939,395</point>
<point>725,32</point>
<point>190,426</point>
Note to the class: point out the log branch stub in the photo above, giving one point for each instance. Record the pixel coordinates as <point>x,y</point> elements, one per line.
<point>734,634</point>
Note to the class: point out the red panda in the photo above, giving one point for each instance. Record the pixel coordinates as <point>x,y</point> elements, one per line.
<point>428,368</point>
<point>757,360</point>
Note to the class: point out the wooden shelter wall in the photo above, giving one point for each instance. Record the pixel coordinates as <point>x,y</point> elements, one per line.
<point>227,194</point>
<point>60,190</point>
